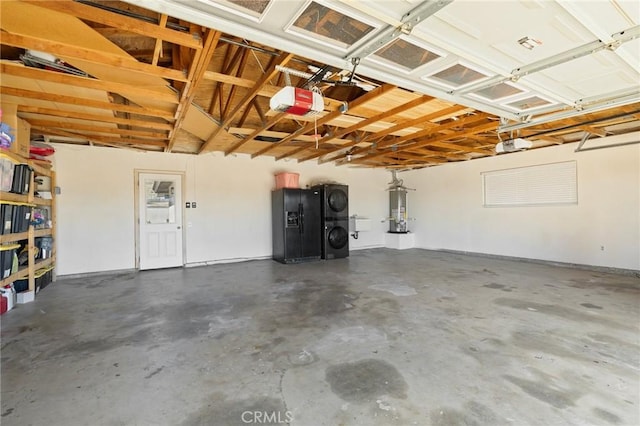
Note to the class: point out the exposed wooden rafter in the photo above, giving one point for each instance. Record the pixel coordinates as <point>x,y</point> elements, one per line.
<point>275,119</point>
<point>72,51</point>
<point>196,71</point>
<point>158,82</point>
<point>94,117</point>
<point>432,141</point>
<point>102,140</point>
<point>126,23</point>
<point>90,103</point>
<point>157,50</point>
<point>97,129</point>
<point>379,117</point>
<point>124,90</point>
<point>281,60</point>
<point>402,125</point>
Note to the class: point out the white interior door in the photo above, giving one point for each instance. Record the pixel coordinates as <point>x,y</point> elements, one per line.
<point>160,214</point>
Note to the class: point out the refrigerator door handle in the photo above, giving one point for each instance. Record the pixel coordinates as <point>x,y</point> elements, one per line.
<point>301,214</point>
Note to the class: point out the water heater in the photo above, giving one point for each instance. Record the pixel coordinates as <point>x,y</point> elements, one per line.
<point>398,211</point>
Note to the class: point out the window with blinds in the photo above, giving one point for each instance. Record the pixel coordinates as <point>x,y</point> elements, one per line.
<point>543,184</point>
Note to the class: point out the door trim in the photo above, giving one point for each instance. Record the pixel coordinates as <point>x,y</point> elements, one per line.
<point>136,210</point>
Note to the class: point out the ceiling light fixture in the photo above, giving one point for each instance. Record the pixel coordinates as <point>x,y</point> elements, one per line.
<point>529,42</point>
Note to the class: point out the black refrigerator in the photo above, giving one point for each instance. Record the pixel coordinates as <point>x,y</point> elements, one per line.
<point>297,222</point>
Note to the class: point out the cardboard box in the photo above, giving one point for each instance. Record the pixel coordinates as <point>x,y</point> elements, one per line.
<point>21,129</point>
<point>23,139</point>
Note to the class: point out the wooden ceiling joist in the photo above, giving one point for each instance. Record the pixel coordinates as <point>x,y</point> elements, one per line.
<point>430,142</point>
<point>96,129</point>
<point>98,139</point>
<point>379,117</point>
<point>157,50</point>
<point>232,92</point>
<point>89,83</point>
<point>231,57</point>
<point>271,70</point>
<point>122,22</point>
<point>146,91</point>
<point>93,117</point>
<point>435,129</point>
<point>90,103</point>
<point>461,148</point>
<point>253,135</point>
<point>196,72</point>
<point>434,116</point>
<point>75,52</point>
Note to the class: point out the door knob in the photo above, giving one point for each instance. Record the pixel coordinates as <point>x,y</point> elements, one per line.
<point>179,227</point>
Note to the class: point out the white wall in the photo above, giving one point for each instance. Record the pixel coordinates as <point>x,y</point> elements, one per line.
<point>232,220</point>
<point>450,215</point>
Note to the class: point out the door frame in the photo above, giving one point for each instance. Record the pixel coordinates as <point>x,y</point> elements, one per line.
<point>136,209</point>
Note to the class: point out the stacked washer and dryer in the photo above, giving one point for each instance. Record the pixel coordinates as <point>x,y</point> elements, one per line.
<point>335,220</point>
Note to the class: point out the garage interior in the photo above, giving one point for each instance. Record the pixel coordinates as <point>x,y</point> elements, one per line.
<point>513,297</point>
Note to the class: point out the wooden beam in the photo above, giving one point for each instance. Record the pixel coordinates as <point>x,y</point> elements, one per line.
<point>95,129</point>
<point>437,128</point>
<point>418,120</point>
<point>423,152</point>
<point>477,129</point>
<point>89,83</point>
<point>126,23</point>
<point>157,50</point>
<point>89,103</point>
<point>93,117</point>
<point>227,64</point>
<point>369,96</point>
<point>378,117</point>
<point>232,92</point>
<point>594,130</point>
<point>196,71</point>
<point>282,59</point>
<point>98,57</point>
<point>246,112</point>
<point>408,123</point>
<point>98,139</point>
<point>253,135</point>
<point>455,147</point>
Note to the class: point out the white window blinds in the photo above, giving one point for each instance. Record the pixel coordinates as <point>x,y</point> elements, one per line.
<point>554,183</point>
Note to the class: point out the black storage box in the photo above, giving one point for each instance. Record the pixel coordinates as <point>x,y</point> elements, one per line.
<point>21,285</point>
<point>7,256</point>
<point>43,277</point>
<point>6,218</point>
<point>21,179</point>
<point>44,280</point>
<point>21,218</point>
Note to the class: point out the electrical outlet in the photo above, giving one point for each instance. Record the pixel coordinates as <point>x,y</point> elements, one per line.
<point>188,205</point>
<point>602,248</point>
<point>193,204</point>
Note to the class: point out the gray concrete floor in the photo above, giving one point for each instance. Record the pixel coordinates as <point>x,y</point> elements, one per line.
<point>384,337</point>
